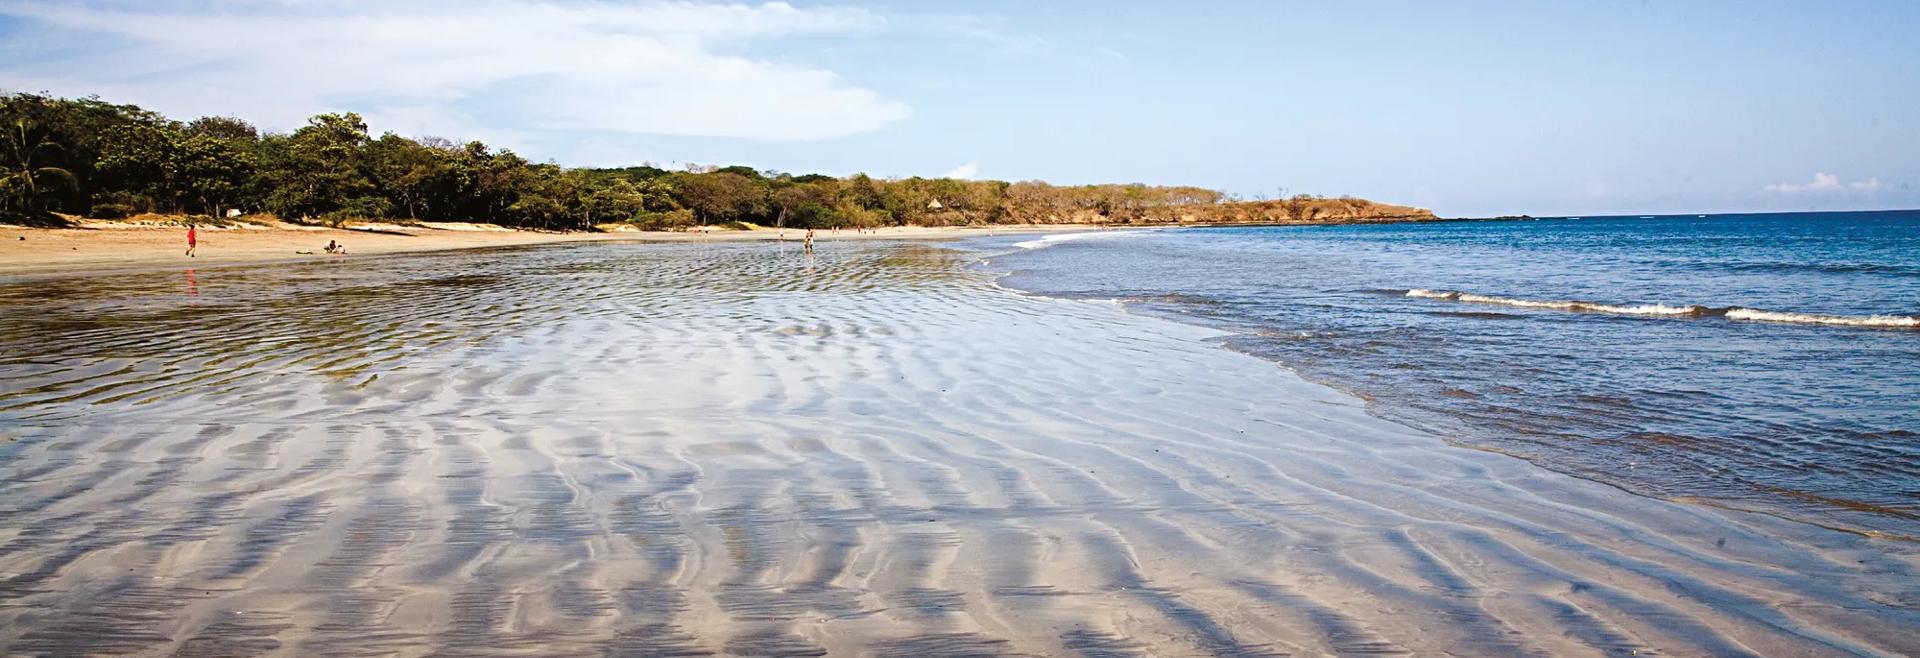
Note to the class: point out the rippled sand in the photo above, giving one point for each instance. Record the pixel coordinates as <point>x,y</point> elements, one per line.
<point>684,450</point>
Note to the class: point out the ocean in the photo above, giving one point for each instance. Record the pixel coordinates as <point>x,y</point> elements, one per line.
<point>1761,362</point>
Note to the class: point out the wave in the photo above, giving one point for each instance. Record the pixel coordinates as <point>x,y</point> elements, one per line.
<point>1567,305</point>
<point>1057,238</point>
<point>1736,313</point>
<point>1757,315</point>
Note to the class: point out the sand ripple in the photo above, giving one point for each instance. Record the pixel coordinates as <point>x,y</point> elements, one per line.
<point>691,450</point>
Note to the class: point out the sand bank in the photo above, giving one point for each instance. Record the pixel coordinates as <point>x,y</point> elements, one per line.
<point>728,448</point>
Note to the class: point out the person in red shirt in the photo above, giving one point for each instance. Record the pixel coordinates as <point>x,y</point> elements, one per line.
<point>193,239</point>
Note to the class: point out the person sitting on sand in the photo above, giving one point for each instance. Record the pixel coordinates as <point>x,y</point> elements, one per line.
<point>332,246</point>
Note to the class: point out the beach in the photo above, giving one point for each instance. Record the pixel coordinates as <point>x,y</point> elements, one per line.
<point>99,245</point>
<point>735,448</point>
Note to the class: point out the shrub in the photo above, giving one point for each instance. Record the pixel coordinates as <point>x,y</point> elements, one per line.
<point>110,211</point>
<point>365,207</point>
<point>655,221</point>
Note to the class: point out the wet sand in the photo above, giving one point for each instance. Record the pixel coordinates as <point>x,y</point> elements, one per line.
<point>731,449</point>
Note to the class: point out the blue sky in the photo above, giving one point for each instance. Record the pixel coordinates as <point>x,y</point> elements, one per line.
<point>1469,108</point>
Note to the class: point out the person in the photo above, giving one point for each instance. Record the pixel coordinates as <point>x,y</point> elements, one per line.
<point>193,240</point>
<point>332,246</point>
<point>809,241</point>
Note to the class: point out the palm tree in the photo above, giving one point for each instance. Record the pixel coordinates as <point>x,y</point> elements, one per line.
<point>20,175</point>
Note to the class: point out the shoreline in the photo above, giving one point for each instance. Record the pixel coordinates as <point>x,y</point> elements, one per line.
<point>1299,342</point>
<point>1374,409</point>
<point>102,247</point>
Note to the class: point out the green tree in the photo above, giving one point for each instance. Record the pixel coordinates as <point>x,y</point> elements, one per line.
<point>229,129</point>
<point>412,176</point>
<point>497,180</point>
<point>806,205</point>
<point>209,173</point>
<point>23,174</point>
<point>612,200</point>
<point>135,166</point>
<point>88,154</point>
<point>320,171</point>
<point>721,197</point>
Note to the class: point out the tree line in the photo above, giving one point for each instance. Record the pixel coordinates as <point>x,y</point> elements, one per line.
<point>90,157</point>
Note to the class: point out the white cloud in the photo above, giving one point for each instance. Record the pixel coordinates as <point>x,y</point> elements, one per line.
<point>501,68</point>
<point>964,172</point>
<point>1868,185</point>
<point>1825,183</point>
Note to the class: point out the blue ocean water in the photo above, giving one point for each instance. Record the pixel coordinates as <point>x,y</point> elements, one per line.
<point>1765,362</point>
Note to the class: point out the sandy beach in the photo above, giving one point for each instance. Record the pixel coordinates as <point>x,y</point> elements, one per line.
<point>731,448</point>
<point>95,245</point>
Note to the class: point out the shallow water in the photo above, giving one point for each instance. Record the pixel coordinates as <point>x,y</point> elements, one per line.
<point>625,449</point>
<point>1770,362</point>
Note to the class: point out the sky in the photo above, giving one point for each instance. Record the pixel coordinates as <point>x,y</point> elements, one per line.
<point>1470,108</point>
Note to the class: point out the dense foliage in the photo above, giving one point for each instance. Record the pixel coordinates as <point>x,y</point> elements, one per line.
<point>87,156</point>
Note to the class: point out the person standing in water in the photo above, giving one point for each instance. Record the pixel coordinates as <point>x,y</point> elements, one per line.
<point>809,241</point>
<point>193,240</point>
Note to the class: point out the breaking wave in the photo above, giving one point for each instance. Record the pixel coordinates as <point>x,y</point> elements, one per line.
<point>1663,310</point>
<point>1590,307</point>
<point>1757,315</point>
<point>1057,238</point>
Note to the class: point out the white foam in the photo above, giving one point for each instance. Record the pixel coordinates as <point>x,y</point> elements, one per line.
<point>1584,307</point>
<point>1757,315</point>
<point>1649,309</point>
<point>1057,238</point>
<point>1746,314</point>
<point>1566,305</point>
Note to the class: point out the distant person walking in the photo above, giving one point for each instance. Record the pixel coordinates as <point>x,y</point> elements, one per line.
<point>809,241</point>
<point>193,240</point>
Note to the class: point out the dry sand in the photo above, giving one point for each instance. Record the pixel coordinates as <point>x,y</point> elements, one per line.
<point>729,448</point>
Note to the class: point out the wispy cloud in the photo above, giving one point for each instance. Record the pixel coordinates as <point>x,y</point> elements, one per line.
<point>445,66</point>
<point>964,172</point>
<point>1825,183</point>
<point>1868,185</point>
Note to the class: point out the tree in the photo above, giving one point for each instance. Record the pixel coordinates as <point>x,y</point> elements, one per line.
<point>88,154</point>
<point>210,173</point>
<point>223,128</point>
<point>612,200</point>
<point>721,197</point>
<point>542,196</point>
<point>320,171</point>
<point>807,205</point>
<point>23,174</point>
<point>80,128</point>
<point>496,179</point>
<point>412,176</point>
